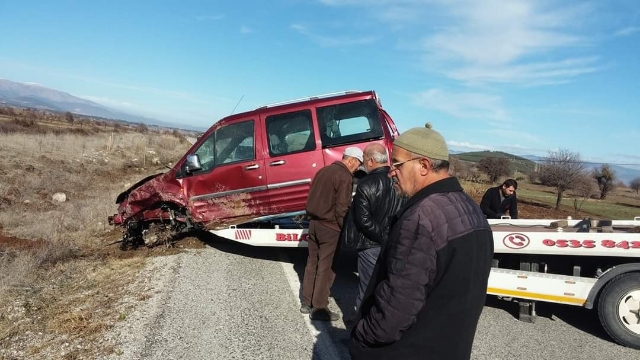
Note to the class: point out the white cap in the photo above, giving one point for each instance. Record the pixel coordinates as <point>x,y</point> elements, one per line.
<point>354,152</point>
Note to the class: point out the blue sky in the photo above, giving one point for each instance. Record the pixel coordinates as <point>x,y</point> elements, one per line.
<point>520,76</point>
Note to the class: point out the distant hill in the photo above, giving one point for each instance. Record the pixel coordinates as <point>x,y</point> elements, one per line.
<point>518,163</point>
<point>36,96</point>
<point>623,173</point>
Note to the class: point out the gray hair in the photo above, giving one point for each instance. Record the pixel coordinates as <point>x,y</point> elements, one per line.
<point>439,165</point>
<point>379,157</point>
<point>436,165</point>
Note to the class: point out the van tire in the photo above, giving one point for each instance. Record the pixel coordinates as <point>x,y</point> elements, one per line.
<point>619,302</point>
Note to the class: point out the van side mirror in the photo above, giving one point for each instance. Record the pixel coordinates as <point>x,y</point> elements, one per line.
<point>192,164</point>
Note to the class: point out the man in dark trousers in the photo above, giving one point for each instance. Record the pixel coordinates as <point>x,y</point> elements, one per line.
<point>327,204</point>
<point>374,203</point>
<point>500,200</point>
<point>429,286</point>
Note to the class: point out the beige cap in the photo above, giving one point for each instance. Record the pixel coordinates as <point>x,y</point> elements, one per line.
<point>424,141</point>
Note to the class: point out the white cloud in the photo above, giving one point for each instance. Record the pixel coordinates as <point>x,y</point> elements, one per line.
<point>332,41</point>
<point>464,105</point>
<point>540,73</point>
<point>193,116</point>
<point>628,31</point>
<point>245,30</point>
<point>496,41</point>
<point>493,41</point>
<point>299,27</point>
<point>466,145</point>
<point>177,95</point>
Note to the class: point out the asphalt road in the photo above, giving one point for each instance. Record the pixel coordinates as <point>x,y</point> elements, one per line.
<point>233,301</point>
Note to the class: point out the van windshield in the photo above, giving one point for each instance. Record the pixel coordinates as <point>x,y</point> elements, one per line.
<point>349,122</point>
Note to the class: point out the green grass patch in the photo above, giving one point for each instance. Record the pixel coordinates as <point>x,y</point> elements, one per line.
<point>600,208</point>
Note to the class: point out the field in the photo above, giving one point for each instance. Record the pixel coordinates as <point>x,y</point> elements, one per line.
<point>538,202</point>
<point>62,285</point>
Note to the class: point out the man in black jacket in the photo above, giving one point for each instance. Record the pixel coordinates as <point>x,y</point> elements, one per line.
<point>374,203</point>
<point>429,286</point>
<point>499,200</point>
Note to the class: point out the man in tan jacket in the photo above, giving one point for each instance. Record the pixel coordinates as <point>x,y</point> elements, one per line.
<point>327,205</point>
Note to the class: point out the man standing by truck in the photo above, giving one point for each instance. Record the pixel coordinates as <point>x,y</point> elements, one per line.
<point>327,204</point>
<point>427,292</point>
<point>375,201</point>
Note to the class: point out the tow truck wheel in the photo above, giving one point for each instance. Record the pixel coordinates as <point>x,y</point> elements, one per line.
<point>619,309</point>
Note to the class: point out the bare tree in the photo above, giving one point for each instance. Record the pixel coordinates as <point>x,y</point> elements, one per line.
<point>458,168</point>
<point>583,187</point>
<point>69,117</point>
<point>5,110</point>
<point>494,167</point>
<point>635,184</point>
<point>465,170</point>
<point>605,176</point>
<point>142,128</point>
<point>561,170</point>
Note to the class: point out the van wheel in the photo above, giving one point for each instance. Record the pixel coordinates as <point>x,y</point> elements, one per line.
<point>619,309</point>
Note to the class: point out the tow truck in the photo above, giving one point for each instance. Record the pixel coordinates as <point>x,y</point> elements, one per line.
<point>247,179</point>
<point>590,263</point>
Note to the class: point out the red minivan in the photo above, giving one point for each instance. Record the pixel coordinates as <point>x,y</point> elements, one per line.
<point>250,165</point>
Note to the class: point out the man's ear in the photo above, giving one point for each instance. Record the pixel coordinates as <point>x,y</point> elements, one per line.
<point>425,166</point>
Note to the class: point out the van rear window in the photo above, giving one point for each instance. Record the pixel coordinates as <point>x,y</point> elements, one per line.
<point>349,122</point>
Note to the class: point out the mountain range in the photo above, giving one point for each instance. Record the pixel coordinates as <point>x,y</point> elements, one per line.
<point>526,163</point>
<point>517,163</point>
<point>29,95</point>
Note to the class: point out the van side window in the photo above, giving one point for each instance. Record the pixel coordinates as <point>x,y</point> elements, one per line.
<point>290,133</point>
<point>350,122</point>
<point>235,142</point>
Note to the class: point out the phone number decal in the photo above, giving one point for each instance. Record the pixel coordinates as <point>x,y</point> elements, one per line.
<point>589,244</point>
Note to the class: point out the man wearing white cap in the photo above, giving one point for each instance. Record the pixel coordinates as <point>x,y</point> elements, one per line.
<point>327,204</point>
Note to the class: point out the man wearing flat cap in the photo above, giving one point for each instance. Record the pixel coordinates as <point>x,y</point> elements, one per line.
<point>429,286</point>
<point>327,204</point>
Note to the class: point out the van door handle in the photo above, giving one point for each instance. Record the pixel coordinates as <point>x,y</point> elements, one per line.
<point>276,163</point>
<point>252,167</point>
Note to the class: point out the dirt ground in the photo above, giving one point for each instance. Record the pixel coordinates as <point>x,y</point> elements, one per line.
<point>528,209</point>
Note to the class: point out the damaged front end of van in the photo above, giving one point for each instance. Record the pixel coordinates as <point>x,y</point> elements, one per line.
<point>151,212</point>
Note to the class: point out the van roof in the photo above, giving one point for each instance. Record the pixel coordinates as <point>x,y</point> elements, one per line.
<point>311,100</point>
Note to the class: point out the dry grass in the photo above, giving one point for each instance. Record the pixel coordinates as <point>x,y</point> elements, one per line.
<point>58,282</point>
<point>67,308</point>
<point>475,190</point>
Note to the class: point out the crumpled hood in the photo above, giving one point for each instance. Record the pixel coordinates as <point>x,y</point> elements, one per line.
<point>148,192</point>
